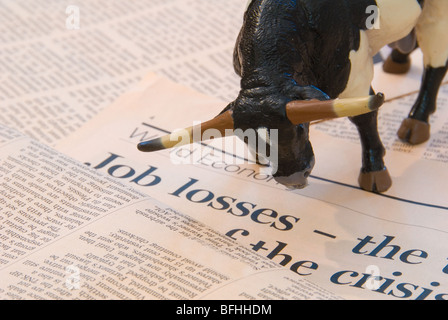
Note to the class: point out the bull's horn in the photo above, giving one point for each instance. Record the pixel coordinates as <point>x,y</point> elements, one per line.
<point>189,135</point>
<point>302,111</point>
<point>299,111</point>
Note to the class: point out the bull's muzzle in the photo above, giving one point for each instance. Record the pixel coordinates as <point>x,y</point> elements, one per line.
<point>297,180</point>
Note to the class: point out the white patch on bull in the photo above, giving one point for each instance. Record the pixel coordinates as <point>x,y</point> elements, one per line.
<point>361,70</point>
<point>397,19</point>
<point>432,33</point>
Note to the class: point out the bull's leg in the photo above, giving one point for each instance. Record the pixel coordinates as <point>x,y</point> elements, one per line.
<point>433,41</point>
<point>374,175</point>
<point>416,129</point>
<point>399,61</point>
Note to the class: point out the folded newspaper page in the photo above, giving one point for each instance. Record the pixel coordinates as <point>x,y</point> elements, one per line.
<point>69,232</point>
<point>355,243</point>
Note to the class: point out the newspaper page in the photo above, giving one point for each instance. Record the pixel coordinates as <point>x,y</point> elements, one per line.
<point>358,244</point>
<point>61,61</point>
<point>69,232</point>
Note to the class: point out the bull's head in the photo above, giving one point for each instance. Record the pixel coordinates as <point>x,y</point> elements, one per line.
<point>255,109</point>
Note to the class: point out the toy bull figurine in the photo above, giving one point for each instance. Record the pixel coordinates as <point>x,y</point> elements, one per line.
<point>291,51</point>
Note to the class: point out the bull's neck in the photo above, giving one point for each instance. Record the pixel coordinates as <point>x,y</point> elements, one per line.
<point>269,44</point>
<point>277,81</point>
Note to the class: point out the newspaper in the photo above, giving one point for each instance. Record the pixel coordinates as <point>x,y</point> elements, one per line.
<point>69,232</point>
<point>354,243</point>
<point>63,63</point>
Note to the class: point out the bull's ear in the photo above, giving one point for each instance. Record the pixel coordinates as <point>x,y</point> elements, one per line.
<point>222,122</point>
<point>302,111</point>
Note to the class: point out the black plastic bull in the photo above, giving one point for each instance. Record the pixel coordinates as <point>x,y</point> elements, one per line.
<point>297,50</point>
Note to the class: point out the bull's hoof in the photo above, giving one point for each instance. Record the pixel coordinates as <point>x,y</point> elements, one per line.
<point>391,66</point>
<point>375,181</point>
<point>414,131</point>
